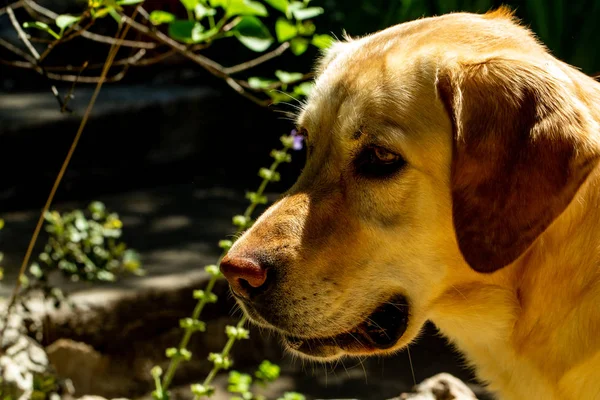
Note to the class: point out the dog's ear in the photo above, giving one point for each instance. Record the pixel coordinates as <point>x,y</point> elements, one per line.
<point>520,154</point>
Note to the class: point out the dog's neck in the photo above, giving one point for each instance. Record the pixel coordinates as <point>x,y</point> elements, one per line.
<point>537,318</point>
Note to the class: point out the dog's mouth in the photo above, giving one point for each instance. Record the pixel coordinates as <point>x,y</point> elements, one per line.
<point>381,330</point>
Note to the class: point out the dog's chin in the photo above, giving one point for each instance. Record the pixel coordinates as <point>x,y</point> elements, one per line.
<point>380,332</point>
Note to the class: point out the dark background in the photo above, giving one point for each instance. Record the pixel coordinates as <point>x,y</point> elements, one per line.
<point>214,136</point>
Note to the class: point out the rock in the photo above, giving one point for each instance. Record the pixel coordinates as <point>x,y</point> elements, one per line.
<point>78,362</point>
<point>440,387</point>
<point>23,363</point>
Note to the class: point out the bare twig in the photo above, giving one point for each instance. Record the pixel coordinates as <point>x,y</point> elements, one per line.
<point>69,95</point>
<point>127,62</point>
<point>258,60</point>
<point>14,6</point>
<point>208,64</point>
<point>231,25</point>
<point>21,33</point>
<point>67,36</point>
<point>14,49</point>
<point>35,55</point>
<point>87,34</point>
<point>238,88</point>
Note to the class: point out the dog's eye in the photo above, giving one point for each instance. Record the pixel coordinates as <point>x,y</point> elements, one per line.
<point>385,156</point>
<point>377,162</point>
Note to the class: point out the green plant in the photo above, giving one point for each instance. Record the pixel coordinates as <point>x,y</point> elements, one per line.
<point>222,361</point>
<point>84,245</point>
<point>241,385</point>
<point>256,25</point>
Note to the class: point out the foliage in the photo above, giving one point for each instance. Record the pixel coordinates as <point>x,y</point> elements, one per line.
<point>85,246</point>
<point>241,384</point>
<point>257,25</point>
<point>82,246</point>
<point>222,360</point>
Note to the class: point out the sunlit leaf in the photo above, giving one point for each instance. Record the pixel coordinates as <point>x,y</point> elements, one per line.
<point>201,11</point>
<point>285,30</point>
<point>304,88</point>
<point>190,4</point>
<point>306,28</point>
<point>129,2</point>
<point>159,17</point>
<point>306,13</point>
<point>288,77</point>
<point>186,31</point>
<point>253,34</point>
<point>246,7</point>
<point>277,96</point>
<point>42,27</point>
<point>299,45</point>
<point>260,83</point>
<point>115,15</point>
<point>322,41</point>
<point>279,5</point>
<point>65,21</point>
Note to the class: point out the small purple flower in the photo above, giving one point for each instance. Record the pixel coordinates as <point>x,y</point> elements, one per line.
<point>298,140</point>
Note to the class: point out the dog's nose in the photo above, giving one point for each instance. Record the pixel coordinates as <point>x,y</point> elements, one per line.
<point>243,274</point>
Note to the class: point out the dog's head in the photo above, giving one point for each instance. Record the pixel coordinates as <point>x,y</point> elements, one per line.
<point>437,151</point>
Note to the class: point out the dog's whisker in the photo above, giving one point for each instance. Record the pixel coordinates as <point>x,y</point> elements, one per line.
<point>412,370</point>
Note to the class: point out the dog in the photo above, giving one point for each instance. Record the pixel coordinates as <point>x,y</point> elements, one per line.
<point>452,175</point>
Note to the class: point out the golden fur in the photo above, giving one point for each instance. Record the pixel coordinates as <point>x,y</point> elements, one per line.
<point>491,230</point>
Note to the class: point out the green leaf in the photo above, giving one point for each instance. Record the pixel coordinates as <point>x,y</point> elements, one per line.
<point>186,31</point>
<point>253,34</point>
<point>267,371</point>
<point>278,97</point>
<point>304,88</point>
<point>42,27</point>
<point>322,41</point>
<point>306,28</point>
<point>202,11</point>
<point>219,3</point>
<point>115,15</point>
<point>158,17</point>
<point>279,5</point>
<point>306,13</point>
<point>288,77</point>
<point>190,4</point>
<point>285,30</point>
<point>260,83</point>
<point>129,2</point>
<point>245,7</point>
<point>65,21</point>
<point>1,224</point>
<point>299,45</point>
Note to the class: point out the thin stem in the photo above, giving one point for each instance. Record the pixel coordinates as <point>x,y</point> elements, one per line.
<point>14,6</point>
<point>110,58</point>
<point>86,34</point>
<point>224,352</point>
<point>174,363</point>
<point>21,33</point>
<point>259,60</point>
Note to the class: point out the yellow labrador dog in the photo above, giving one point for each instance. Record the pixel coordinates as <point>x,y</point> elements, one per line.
<point>452,175</point>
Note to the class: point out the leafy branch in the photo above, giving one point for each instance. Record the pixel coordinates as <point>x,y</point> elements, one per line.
<point>166,35</point>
